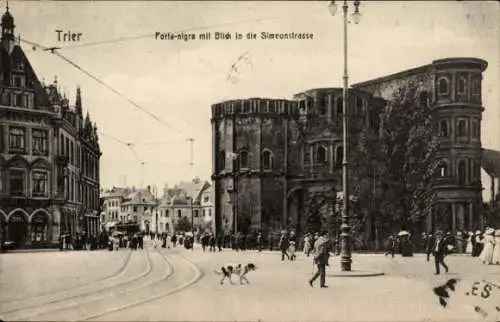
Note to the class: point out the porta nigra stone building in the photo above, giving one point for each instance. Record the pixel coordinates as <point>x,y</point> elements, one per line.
<point>271,157</point>
<point>49,155</point>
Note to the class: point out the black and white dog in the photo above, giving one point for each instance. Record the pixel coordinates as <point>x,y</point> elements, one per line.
<point>236,269</point>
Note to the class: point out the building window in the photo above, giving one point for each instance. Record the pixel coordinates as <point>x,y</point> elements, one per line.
<point>339,156</point>
<point>322,105</point>
<point>196,213</point>
<point>39,183</point>
<point>40,142</point>
<point>272,107</point>
<point>321,156</point>
<point>19,100</point>
<point>17,180</point>
<point>475,129</point>
<point>244,159</point>
<point>461,86</point>
<point>222,160</point>
<point>267,160</point>
<point>461,128</point>
<point>209,212</point>
<point>302,107</point>
<point>359,106</point>
<point>476,88</point>
<point>16,140</point>
<point>340,105</point>
<point>135,208</point>
<point>206,199</point>
<point>443,128</point>
<point>19,81</point>
<point>443,86</point>
<point>167,213</point>
<point>179,213</point>
<point>443,169</point>
<point>462,172</point>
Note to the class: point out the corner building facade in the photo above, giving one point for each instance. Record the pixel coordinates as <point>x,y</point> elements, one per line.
<point>49,155</point>
<point>453,88</point>
<point>272,158</point>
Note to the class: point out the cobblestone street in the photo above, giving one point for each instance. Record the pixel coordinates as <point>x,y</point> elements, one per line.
<point>165,284</point>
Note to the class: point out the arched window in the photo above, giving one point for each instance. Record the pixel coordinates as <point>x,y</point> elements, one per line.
<point>267,160</point>
<point>222,160</point>
<point>339,156</point>
<point>359,106</point>
<point>461,128</point>
<point>321,155</point>
<point>244,159</point>
<point>443,128</point>
<point>443,86</point>
<point>462,172</point>
<point>339,106</point>
<point>443,169</point>
<point>39,224</point>
<point>322,104</point>
<point>475,128</point>
<point>461,86</point>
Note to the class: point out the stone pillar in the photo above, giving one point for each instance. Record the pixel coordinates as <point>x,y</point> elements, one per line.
<point>471,225</point>
<point>453,217</point>
<point>29,234</point>
<point>492,178</point>
<point>460,216</point>
<point>430,216</point>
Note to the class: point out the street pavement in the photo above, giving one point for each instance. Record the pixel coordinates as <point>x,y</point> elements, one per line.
<point>178,284</point>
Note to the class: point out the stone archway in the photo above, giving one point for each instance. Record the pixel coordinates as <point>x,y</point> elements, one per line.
<point>296,217</point>
<point>40,226</point>
<point>17,227</point>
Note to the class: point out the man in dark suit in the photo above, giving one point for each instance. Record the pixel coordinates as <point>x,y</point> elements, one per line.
<point>437,247</point>
<point>321,256</point>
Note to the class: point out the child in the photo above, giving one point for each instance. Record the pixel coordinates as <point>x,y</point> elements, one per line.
<point>291,250</point>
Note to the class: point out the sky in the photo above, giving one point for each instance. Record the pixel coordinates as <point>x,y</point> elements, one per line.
<point>178,81</point>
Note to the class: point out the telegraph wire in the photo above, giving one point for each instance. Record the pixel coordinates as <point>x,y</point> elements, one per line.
<point>53,50</point>
<point>200,28</point>
<point>118,93</point>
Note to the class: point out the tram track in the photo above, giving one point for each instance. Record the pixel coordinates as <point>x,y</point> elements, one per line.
<point>159,291</point>
<point>16,301</point>
<point>20,312</point>
<point>98,300</point>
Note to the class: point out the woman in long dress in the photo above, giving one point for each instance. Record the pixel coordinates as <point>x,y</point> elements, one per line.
<point>496,249</point>
<point>468,248</point>
<point>486,255</point>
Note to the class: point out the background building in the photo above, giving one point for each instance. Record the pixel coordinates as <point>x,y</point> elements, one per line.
<point>49,161</point>
<point>273,158</point>
<point>190,201</point>
<point>111,205</point>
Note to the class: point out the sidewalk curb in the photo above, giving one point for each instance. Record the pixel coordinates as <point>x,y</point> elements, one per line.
<point>354,273</point>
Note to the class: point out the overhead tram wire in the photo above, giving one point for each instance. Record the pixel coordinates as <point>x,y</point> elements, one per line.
<point>201,28</point>
<point>53,50</point>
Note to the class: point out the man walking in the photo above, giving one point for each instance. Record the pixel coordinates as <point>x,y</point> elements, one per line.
<point>438,248</point>
<point>283,245</point>
<point>321,256</point>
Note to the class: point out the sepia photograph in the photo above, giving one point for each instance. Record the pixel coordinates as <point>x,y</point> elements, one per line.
<point>249,160</point>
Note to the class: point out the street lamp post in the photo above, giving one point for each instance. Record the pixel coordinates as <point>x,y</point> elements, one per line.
<point>346,258</point>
